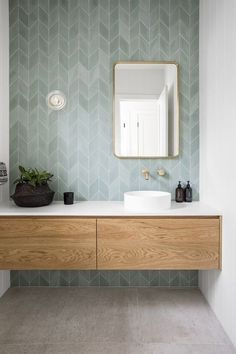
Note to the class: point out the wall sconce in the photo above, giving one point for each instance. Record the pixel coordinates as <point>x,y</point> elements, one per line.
<point>56,100</point>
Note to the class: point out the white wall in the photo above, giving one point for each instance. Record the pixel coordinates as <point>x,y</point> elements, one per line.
<point>218,147</point>
<point>4,113</point>
<point>142,81</point>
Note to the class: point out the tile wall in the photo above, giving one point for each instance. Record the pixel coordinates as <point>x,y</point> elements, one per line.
<point>105,278</point>
<point>72,45</point>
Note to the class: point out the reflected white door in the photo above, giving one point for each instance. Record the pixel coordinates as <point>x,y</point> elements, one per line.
<point>148,125</point>
<point>144,126</point>
<point>128,129</point>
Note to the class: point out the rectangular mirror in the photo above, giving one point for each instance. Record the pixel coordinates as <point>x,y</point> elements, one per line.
<point>146,110</point>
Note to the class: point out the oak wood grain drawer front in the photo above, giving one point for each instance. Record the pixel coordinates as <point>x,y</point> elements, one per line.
<point>47,243</point>
<point>165,243</point>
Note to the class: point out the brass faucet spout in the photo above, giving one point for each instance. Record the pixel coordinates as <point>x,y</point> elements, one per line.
<point>146,174</point>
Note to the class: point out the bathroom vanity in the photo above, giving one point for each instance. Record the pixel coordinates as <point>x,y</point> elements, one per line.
<point>103,235</point>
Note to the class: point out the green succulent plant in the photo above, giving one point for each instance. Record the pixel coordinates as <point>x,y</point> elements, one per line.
<point>33,176</point>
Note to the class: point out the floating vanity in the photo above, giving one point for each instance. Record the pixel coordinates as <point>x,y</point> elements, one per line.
<point>104,235</point>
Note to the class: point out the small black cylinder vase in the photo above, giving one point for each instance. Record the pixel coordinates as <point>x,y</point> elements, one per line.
<point>68,198</point>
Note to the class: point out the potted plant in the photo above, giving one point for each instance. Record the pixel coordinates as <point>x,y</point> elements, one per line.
<point>32,189</point>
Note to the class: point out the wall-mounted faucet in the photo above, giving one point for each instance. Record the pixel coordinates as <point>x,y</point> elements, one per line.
<point>160,172</point>
<point>146,174</point>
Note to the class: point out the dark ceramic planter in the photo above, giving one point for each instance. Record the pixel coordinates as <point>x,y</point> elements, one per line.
<point>29,196</point>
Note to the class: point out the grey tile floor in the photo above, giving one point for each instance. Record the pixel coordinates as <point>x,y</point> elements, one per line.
<point>109,321</point>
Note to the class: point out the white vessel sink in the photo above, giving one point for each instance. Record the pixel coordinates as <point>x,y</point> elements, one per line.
<point>147,201</point>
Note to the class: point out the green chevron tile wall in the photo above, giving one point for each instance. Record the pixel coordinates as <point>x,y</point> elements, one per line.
<point>72,45</point>
<point>166,278</point>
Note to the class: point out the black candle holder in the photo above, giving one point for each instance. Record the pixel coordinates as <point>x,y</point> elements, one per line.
<point>68,198</point>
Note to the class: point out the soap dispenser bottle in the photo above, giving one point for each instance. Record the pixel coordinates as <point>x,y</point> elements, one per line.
<point>179,193</point>
<point>188,193</point>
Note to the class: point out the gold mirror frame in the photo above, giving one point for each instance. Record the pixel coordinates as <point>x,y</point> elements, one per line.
<point>113,109</point>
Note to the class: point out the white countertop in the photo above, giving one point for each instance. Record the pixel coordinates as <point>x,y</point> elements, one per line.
<point>105,208</point>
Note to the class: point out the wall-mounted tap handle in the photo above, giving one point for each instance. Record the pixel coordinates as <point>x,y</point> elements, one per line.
<point>161,172</point>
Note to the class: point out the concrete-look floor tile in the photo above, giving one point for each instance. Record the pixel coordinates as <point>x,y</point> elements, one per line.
<point>77,320</point>
<point>30,300</point>
<point>112,316</point>
<point>109,320</point>
<point>22,349</point>
<point>76,291</point>
<point>177,316</point>
<point>27,330</point>
<point>163,348</point>
<point>118,314</point>
<point>117,301</point>
<point>33,318</point>
<point>95,348</point>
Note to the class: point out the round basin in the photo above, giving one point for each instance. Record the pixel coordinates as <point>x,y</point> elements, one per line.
<point>147,201</point>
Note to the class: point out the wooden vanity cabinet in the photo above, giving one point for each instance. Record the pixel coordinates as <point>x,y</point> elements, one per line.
<point>159,243</point>
<point>47,243</point>
<point>110,243</point>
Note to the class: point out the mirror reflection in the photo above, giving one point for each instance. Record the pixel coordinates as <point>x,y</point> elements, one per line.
<point>146,109</point>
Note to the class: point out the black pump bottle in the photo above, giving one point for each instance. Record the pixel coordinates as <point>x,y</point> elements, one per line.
<point>188,193</point>
<point>179,193</point>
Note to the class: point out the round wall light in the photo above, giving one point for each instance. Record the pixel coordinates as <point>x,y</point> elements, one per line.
<point>56,100</point>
